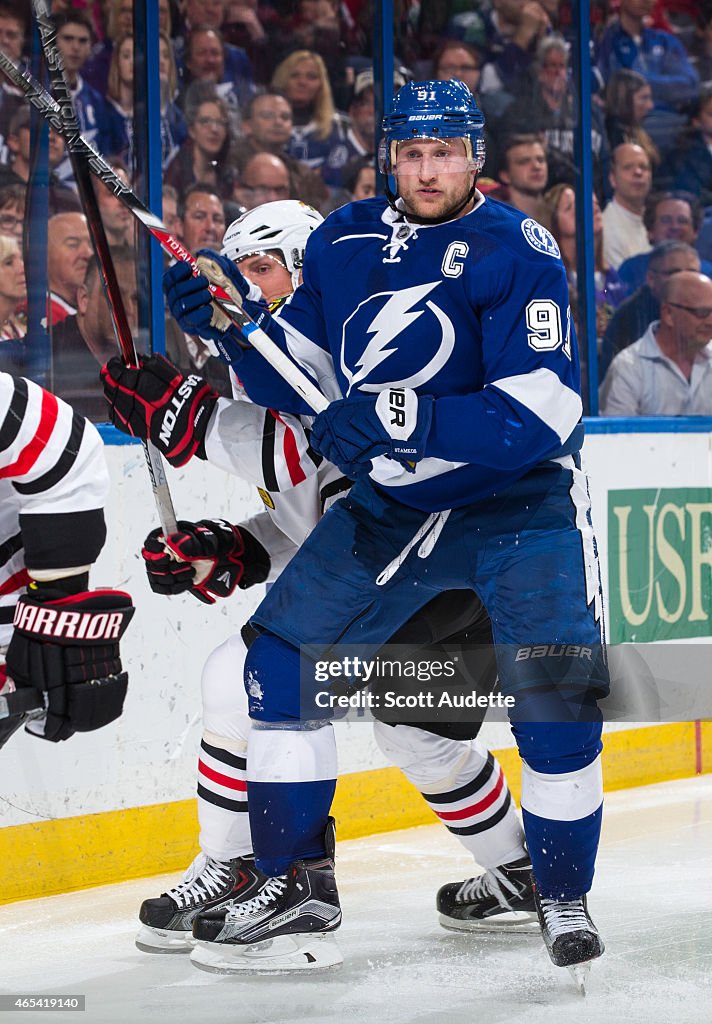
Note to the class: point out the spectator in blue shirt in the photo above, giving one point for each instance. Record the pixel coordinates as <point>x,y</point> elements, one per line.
<point>668,216</point>
<point>691,166</point>
<point>74,41</point>
<point>657,55</point>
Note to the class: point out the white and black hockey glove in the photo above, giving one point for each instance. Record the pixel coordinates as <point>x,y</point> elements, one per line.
<point>67,647</point>
<point>208,559</point>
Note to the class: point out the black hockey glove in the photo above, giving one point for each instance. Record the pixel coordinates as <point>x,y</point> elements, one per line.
<point>208,558</point>
<point>68,648</point>
<point>157,403</point>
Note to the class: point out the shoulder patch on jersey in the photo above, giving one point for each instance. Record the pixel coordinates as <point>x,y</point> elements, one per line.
<point>266,497</point>
<point>539,238</point>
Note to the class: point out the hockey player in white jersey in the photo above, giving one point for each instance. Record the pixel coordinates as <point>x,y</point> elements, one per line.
<point>458,777</point>
<point>438,323</point>
<point>60,665</point>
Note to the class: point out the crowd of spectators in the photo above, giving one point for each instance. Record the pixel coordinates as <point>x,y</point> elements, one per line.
<point>272,99</point>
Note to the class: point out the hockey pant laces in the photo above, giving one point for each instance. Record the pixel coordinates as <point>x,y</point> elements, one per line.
<point>430,530</point>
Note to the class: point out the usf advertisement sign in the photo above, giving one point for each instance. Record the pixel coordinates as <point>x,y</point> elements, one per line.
<point>659,564</point>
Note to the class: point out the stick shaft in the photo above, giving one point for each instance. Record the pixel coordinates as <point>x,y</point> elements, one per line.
<point>40,98</point>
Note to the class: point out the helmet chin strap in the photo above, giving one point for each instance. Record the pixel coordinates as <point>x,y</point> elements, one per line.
<point>450,215</point>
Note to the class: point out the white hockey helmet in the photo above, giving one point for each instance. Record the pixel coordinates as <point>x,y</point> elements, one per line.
<point>284,225</point>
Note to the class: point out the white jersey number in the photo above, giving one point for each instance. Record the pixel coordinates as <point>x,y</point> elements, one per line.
<point>544,323</point>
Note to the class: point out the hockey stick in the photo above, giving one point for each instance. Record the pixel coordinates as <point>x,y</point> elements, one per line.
<point>84,151</point>
<point>87,195</point>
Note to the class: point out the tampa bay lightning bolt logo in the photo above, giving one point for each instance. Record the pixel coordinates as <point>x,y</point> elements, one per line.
<point>385,320</point>
<point>539,238</point>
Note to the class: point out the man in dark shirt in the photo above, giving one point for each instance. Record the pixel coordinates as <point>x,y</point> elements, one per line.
<point>82,343</point>
<point>631,319</point>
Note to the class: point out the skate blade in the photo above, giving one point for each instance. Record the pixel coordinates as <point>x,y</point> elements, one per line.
<point>282,955</point>
<point>580,973</point>
<point>517,923</point>
<point>156,940</point>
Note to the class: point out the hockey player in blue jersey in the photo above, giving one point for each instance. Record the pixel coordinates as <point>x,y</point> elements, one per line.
<point>438,324</point>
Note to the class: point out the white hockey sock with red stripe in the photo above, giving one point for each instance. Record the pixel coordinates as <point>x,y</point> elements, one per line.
<point>465,786</point>
<point>222,798</point>
<point>222,761</point>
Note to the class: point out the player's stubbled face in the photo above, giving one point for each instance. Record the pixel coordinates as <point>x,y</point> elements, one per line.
<point>434,176</point>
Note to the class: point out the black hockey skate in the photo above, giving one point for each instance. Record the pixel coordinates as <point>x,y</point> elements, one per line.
<point>571,937</point>
<point>286,926</point>
<point>208,884</point>
<point>501,899</point>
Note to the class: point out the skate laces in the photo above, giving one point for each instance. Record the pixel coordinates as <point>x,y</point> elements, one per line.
<point>490,883</point>
<point>204,879</point>
<point>272,889</point>
<point>561,916</point>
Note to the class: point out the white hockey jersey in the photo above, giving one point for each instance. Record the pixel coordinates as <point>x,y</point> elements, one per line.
<point>271,450</point>
<point>53,484</point>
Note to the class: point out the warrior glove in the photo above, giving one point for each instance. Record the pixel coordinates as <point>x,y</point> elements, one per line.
<point>67,647</point>
<point>155,402</point>
<point>208,558</point>
<point>353,431</point>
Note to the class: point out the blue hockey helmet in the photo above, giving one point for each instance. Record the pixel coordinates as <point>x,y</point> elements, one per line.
<point>439,109</point>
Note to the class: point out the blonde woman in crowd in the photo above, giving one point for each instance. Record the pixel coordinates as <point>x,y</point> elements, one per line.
<point>13,299</point>
<point>302,77</point>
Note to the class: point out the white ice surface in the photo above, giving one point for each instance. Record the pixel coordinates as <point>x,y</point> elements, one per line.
<point>652,901</point>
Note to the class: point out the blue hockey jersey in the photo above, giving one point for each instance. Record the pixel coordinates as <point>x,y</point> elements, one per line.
<point>473,312</point>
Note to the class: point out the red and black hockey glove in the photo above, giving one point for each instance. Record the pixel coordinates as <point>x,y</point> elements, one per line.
<point>208,558</point>
<point>67,647</point>
<point>156,402</point>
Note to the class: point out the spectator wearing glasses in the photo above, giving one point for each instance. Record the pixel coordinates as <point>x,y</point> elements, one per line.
<point>668,216</point>
<point>631,319</point>
<point>12,211</point>
<point>263,179</point>
<point>545,103</point>
<point>668,371</point>
<point>463,62</point>
<point>204,154</point>
<point>267,128</point>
